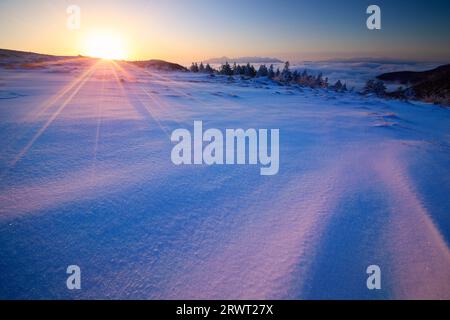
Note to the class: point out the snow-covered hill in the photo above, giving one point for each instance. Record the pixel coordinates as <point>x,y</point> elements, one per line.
<point>86,178</point>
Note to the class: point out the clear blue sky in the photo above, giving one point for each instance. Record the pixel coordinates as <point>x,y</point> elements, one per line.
<point>187,30</point>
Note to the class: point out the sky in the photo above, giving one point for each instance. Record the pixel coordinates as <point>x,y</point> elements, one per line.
<point>193,30</point>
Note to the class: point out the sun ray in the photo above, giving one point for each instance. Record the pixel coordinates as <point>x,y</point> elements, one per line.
<point>119,82</point>
<point>38,134</point>
<point>142,103</point>
<point>161,77</point>
<point>97,133</point>
<point>47,104</point>
<point>63,91</point>
<point>127,74</point>
<point>159,103</point>
<point>169,81</point>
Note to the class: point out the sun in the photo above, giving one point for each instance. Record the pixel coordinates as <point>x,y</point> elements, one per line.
<point>105,45</point>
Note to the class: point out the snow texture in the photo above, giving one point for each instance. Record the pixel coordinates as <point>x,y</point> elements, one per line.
<point>86,179</point>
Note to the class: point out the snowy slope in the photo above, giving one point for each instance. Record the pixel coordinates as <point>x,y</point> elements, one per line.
<point>86,179</point>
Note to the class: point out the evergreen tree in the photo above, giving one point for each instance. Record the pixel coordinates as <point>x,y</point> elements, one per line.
<point>249,71</point>
<point>286,75</point>
<point>376,87</point>
<point>319,80</point>
<point>242,70</point>
<point>338,85</point>
<point>262,71</point>
<point>194,67</point>
<point>201,68</point>
<point>208,69</point>
<point>271,73</point>
<point>252,71</point>
<point>238,70</point>
<point>226,69</point>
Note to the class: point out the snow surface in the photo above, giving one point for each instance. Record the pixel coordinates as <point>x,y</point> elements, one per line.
<point>86,179</point>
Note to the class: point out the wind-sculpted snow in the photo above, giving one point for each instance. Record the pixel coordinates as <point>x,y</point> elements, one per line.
<point>86,179</point>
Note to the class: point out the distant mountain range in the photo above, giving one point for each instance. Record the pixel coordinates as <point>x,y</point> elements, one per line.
<point>242,60</point>
<point>430,86</point>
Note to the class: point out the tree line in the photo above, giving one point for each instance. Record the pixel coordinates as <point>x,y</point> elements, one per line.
<point>287,76</point>
<point>284,76</point>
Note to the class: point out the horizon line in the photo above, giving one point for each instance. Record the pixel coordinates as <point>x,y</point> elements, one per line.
<point>372,59</point>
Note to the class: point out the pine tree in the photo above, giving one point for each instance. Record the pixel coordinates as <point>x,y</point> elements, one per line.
<point>234,68</point>
<point>286,75</point>
<point>241,70</point>
<point>201,68</point>
<point>194,67</point>
<point>271,73</point>
<point>238,70</point>
<point>262,71</point>
<point>338,85</point>
<point>226,69</point>
<point>208,69</point>
<point>376,87</point>
<point>250,71</point>
<point>319,80</point>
